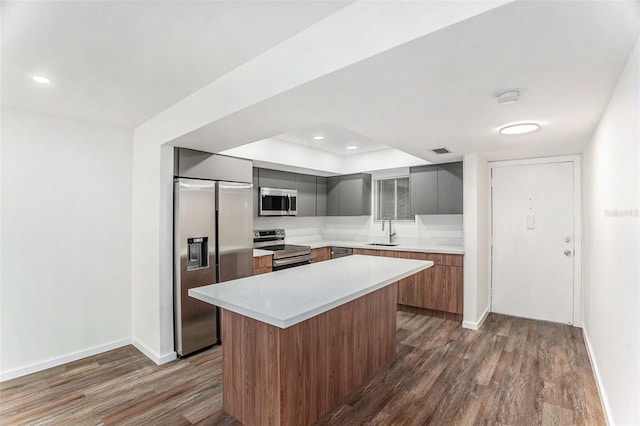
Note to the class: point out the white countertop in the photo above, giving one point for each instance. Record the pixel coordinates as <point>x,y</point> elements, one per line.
<point>285,298</point>
<point>423,248</point>
<point>258,253</point>
<point>417,247</point>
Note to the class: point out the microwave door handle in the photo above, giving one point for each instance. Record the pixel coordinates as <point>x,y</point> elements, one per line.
<point>288,207</point>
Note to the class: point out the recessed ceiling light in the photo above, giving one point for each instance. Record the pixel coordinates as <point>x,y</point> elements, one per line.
<point>519,129</point>
<point>352,147</point>
<point>318,138</point>
<point>40,79</point>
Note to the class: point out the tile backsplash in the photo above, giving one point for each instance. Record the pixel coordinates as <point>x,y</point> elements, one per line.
<point>426,229</point>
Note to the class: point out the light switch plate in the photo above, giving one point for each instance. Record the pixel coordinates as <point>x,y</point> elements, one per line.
<point>531,221</point>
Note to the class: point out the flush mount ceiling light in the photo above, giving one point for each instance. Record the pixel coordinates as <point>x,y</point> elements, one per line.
<point>41,79</point>
<point>519,129</point>
<point>352,147</point>
<point>509,96</point>
<point>318,138</point>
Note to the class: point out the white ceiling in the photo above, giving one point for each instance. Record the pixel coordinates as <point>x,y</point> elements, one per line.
<point>124,62</point>
<point>336,140</point>
<point>439,90</point>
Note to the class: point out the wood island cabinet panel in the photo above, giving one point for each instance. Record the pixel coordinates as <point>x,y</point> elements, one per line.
<point>320,254</point>
<point>305,370</point>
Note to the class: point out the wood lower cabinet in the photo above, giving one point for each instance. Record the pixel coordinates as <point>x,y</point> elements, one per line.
<point>448,288</point>
<point>295,375</point>
<point>435,291</point>
<point>262,264</point>
<point>320,254</point>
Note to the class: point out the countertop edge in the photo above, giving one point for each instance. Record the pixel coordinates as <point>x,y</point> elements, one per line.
<point>399,247</point>
<point>334,304</point>
<point>285,323</point>
<point>363,245</point>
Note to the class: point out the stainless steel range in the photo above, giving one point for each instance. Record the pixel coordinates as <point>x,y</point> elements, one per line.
<point>284,255</point>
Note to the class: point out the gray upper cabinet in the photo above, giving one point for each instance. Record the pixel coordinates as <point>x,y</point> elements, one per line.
<point>450,188</point>
<point>306,186</point>
<point>333,196</point>
<point>321,196</point>
<point>436,189</point>
<point>349,195</point>
<point>277,179</point>
<point>423,183</point>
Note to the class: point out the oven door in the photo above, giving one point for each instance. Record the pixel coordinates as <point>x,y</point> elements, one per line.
<point>278,202</point>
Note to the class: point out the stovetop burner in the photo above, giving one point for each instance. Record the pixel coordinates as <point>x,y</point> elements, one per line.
<point>273,240</point>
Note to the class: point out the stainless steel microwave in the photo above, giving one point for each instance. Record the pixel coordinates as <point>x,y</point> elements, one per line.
<point>278,202</point>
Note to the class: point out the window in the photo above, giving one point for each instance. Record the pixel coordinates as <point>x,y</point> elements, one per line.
<point>392,199</point>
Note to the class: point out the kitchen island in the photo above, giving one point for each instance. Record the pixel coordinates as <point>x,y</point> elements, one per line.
<point>298,341</point>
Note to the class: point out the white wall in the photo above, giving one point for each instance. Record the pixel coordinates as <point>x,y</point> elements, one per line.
<point>611,247</point>
<point>476,240</point>
<point>66,240</point>
<point>435,230</point>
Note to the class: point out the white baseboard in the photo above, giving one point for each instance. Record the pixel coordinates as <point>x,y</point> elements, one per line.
<point>54,362</point>
<point>475,325</point>
<point>594,366</point>
<point>158,359</point>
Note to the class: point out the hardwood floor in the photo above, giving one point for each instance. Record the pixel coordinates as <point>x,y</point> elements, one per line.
<point>512,372</point>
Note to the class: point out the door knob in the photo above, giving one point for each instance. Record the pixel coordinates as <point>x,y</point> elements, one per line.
<point>567,240</point>
<point>567,252</point>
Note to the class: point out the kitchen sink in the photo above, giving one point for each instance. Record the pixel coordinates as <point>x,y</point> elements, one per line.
<point>383,244</point>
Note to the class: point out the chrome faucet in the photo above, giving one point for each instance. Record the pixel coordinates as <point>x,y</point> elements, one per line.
<point>391,234</point>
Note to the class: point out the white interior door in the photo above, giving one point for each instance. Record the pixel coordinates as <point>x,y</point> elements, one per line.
<point>533,236</point>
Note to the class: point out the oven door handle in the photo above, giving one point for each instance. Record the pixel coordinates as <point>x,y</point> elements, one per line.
<point>292,260</point>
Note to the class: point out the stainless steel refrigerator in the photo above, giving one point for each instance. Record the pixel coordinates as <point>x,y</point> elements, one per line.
<point>213,242</point>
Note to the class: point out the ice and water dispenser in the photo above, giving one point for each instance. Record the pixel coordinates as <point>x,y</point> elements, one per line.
<point>197,253</point>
